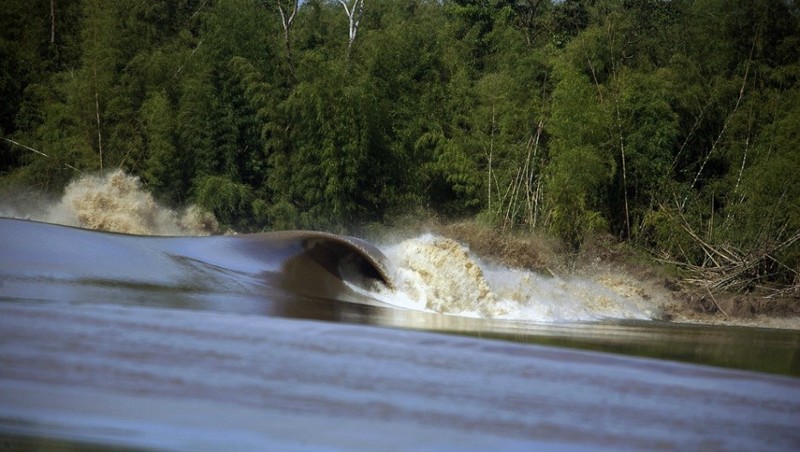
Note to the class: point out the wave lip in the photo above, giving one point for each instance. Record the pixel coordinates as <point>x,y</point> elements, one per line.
<point>323,263</point>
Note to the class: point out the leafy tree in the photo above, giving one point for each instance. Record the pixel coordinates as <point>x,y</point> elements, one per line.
<point>582,165</point>
<point>166,168</point>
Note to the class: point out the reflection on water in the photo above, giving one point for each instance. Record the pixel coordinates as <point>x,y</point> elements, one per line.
<point>119,341</point>
<point>760,349</point>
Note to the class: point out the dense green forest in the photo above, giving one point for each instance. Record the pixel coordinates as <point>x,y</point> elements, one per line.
<point>674,125</point>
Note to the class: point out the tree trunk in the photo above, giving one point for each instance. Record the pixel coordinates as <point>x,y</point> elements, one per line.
<point>52,21</point>
<point>354,13</point>
<point>286,21</point>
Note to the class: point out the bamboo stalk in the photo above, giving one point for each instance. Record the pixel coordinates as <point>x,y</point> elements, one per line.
<point>727,121</point>
<point>52,21</point>
<point>99,133</point>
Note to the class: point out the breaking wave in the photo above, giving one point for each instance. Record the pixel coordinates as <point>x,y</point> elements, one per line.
<point>437,274</point>
<point>114,202</point>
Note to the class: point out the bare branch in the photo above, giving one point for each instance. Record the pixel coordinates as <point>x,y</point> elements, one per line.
<point>727,121</point>
<point>187,59</point>
<point>689,135</point>
<point>97,116</point>
<point>197,10</point>
<point>354,13</point>
<point>36,152</point>
<point>715,302</point>
<point>286,21</point>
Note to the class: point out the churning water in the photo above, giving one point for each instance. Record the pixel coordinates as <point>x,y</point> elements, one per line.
<point>438,274</point>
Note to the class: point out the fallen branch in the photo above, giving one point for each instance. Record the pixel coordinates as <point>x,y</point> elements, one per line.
<point>728,268</point>
<point>715,302</point>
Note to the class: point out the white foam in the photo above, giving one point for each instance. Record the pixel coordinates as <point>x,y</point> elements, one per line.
<point>437,274</point>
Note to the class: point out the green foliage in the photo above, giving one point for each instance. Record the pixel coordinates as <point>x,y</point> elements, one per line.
<point>765,207</point>
<point>161,172</point>
<point>581,167</point>
<point>230,202</point>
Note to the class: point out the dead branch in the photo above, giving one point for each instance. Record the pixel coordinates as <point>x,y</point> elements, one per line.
<point>36,152</point>
<point>727,121</point>
<point>715,303</point>
<point>728,268</point>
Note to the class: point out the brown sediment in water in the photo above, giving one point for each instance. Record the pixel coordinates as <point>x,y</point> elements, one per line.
<point>118,202</point>
<point>527,251</point>
<point>441,272</point>
<point>627,271</point>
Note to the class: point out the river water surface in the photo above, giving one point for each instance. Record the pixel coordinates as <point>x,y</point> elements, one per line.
<point>301,340</point>
<point>313,341</point>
